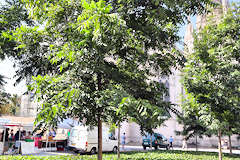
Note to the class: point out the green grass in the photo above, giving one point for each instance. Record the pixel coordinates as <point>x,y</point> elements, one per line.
<point>154,155</point>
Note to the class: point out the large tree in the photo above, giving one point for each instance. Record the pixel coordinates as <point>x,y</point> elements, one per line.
<point>98,44</point>
<point>212,72</point>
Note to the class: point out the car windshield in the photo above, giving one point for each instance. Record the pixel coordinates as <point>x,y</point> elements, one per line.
<point>158,135</point>
<point>164,138</point>
<point>74,133</point>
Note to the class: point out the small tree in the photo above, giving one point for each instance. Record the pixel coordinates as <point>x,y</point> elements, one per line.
<point>191,120</point>
<point>118,99</point>
<point>212,73</point>
<point>149,117</point>
<point>4,101</point>
<point>4,96</point>
<point>14,104</point>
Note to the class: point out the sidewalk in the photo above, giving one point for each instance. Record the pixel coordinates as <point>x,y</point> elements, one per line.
<point>136,148</point>
<point>208,150</point>
<point>131,147</point>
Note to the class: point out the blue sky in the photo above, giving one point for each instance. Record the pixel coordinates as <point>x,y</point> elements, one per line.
<point>6,67</point>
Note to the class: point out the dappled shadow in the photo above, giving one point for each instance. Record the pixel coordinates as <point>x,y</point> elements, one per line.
<point>137,155</point>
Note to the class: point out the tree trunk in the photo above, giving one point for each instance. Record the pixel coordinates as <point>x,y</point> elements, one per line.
<point>19,138</point>
<point>219,145</point>
<point>230,143</point>
<point>4,136</point>
<point>99,138</point>
<point>196,143</point>
<point>151,142</point>
<point>118,151</point>
<point>99,81</point>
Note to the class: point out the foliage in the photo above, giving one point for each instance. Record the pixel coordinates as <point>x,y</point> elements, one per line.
<point>149,117</point>
<point>191,119</point>
<point>11,105</point>
<point>2,82</point>
<point>153,155</point>
<point>99,44</point>
<point>126,107</point>
<point>33,62</point>
<point>4,97</point>
<point>13,15</point>
<point>95,45</point>
<point>15,101</point>
<point>212,72</point>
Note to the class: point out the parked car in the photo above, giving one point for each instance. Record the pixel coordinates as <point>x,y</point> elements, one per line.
<point>158,141</point>
<point>85,139</point>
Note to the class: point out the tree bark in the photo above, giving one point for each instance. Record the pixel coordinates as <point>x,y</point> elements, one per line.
<point>196,143</point>
<point>118,151</point>
<point>4,136</point>
<point>99,138</point>
<point>99,83</point>
<point>151,142</point>
<point>230,143</point>
<point>219,145</point>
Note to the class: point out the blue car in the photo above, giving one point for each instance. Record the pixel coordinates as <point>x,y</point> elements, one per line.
<point>158,141</point>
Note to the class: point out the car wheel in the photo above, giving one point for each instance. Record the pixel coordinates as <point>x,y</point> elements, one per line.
<point>115,149</point>
<point>76,151</point>
<point>93,151</point>
<point>144,147</point>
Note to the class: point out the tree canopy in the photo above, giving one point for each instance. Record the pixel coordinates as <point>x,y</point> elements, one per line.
<point>94,46</point>
<point>212,72</point>
<point>105,42</point>
<point>13,15</point>
<point>191,119</point>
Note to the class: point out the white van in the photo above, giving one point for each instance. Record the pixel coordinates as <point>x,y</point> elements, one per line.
<point>85,139</point>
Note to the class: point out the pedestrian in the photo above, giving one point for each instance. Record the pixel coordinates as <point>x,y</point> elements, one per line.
<point>52,133</point>
<point>184,143</point>
<point>123,140</point>
<point>16,136</point>
<point>11,138</point>
<point>6,144</point>
<point>111,136</point>
<point>171,142</point>
<point>23,135</point>
<point>6,135</point>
